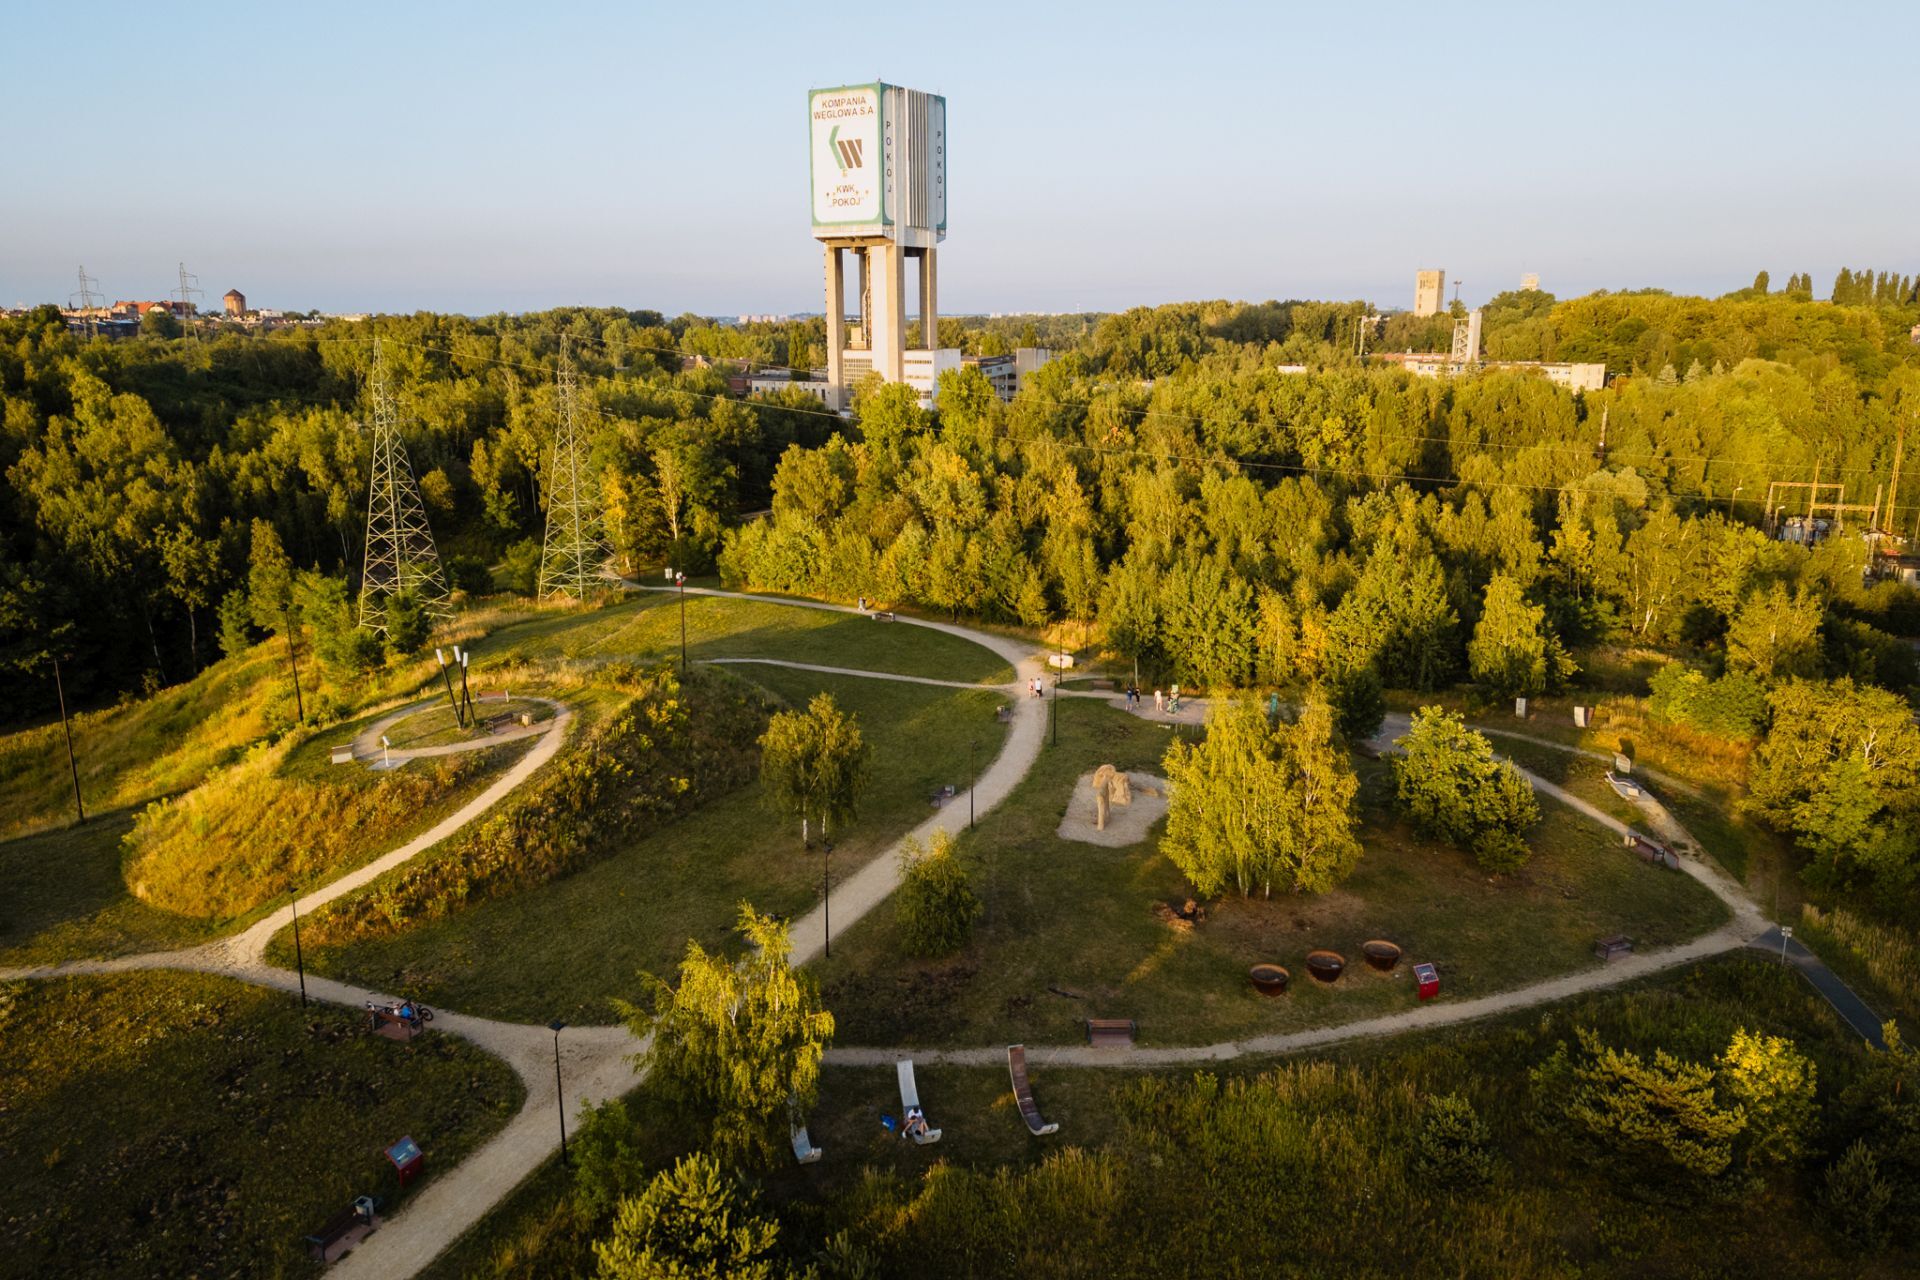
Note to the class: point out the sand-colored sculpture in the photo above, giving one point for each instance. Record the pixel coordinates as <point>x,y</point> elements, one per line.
<point>1110,787</point>
<point>1091,815</point>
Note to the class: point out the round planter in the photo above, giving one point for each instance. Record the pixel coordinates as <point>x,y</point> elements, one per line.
<point>1269,979</point>
<point>1381,954</point>
<point>1326,966</point>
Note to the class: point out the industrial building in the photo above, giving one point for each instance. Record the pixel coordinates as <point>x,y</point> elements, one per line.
<point>877,165</point>
<point>236,303</point>
<point>1429,293</point>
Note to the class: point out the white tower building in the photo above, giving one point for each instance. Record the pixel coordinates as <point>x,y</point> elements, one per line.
<point>878,168</point>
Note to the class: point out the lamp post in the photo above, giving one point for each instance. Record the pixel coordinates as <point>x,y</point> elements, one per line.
<point>1730,497</point>
<point>294,662</point>
<point>440,656</point>
<point>680,580</point>
<point>299,962</point>
<point>60,691</point>
<point>557,1026</point>
<point>460,659</point>
<point>1786,932</point>
<point>826,896</point>
<point>1053,712</point>
<point>973,778</point>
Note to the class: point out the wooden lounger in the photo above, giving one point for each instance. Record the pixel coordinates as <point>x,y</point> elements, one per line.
<point>1023,1092</point>
<point>803,1149</point>
<point>910,1101</point>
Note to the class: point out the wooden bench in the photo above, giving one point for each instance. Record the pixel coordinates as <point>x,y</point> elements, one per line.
<point>343,1231</point>
<point>1003,713</point>
<point>1111,1033</point>
<point>494,724</point>
<point>1653,851</point>
<point>881,615</point>
<point>1605,949</point>
<point>1023,1092</point>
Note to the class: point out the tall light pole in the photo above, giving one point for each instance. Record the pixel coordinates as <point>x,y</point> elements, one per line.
<point>299,962</point>
<point>461,657</point>
<point>681,580</point>
<point>973,778</point>
<point>60,691</point>
<point>1786,932</point>
<point>1053,712</point>
<point>557,1026</point>
<point>1730,497</point>
<point>294,662</point>
<point>440,656</point>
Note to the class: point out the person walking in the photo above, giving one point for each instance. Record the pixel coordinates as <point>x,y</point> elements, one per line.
<point>1159,701</point>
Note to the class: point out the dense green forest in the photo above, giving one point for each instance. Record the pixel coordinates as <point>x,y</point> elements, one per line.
<point>1172,488</point>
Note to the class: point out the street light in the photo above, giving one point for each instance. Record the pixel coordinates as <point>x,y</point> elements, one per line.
<point>1053,712</point>
<point>460,659</point>
<point>1730,497</point>
<point>680,580</point>
<point>557,1027</point>
<point>440,656</point>
<point>1786,932</point>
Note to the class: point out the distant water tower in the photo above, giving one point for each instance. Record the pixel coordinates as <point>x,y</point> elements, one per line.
<point>878,169</point>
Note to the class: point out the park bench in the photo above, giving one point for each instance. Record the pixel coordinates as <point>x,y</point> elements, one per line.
<point>1003,713</point>
<point>803,1149</point>
<point>1653,851</point>
<point>400,1021</point>
<point>494,724</point>
<point>881,615</point>
<point>1023,1092</point>
<point>343,1231</point>
<point>1111,1033</point>
<point>910,1106</point>
<point>1605,949</point>
<point>340,755</point>
<point>940,795</point>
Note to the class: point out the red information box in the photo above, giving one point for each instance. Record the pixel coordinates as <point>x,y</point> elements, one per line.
<point>407,1159</point>
<point>1429,979</point>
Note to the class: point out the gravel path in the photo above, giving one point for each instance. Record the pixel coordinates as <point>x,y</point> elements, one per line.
<point>366,743</point>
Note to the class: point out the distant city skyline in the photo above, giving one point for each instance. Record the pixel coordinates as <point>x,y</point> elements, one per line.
<point>479,159</point>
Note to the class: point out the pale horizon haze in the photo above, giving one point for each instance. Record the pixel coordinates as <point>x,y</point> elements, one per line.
<point>481,158</point>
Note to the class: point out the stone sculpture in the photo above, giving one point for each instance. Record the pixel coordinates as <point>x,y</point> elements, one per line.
<point>1110,786</point>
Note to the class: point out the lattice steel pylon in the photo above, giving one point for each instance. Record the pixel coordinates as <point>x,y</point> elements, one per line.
<point>400,552</point>
<point>572,554</point>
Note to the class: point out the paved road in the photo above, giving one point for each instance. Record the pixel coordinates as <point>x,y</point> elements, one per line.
<point>1852,1009</point>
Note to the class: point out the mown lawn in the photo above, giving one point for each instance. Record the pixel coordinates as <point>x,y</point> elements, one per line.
<point>648,629</point>
<point>1071,930</point>
<point>564,949</point>
<point>172,1124</point>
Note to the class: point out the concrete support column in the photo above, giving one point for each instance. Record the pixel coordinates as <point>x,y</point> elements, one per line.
<point>929,300</point>
<point>836,314</point>
<point>889,320</point>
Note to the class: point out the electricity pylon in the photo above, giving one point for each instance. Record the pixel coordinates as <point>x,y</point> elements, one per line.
<point>571,556</point>
<point>400,552</point>
<point>85,295</point>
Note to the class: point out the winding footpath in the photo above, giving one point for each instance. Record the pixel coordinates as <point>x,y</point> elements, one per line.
<point>598,1062</point>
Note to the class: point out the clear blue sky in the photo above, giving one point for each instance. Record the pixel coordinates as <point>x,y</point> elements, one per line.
<point>477,157</point>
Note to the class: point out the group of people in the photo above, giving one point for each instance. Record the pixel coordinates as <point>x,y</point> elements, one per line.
<point>1162,702</point>
<point>1036,687</point>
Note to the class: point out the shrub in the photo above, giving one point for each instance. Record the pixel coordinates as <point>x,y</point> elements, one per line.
<point>693,1222</point>
<point>1856,1198</point>
<point>1454,1147</point>
<point>1654,1121</point>
<point>1733,706</point>
<point>469,574</point>
<point>935,904</point>
<point>1772,1082</point>
<point>1449,783</point>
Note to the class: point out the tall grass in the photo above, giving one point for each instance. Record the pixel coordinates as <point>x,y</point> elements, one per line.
<point>1889,954</point>
<point>249,834</point>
